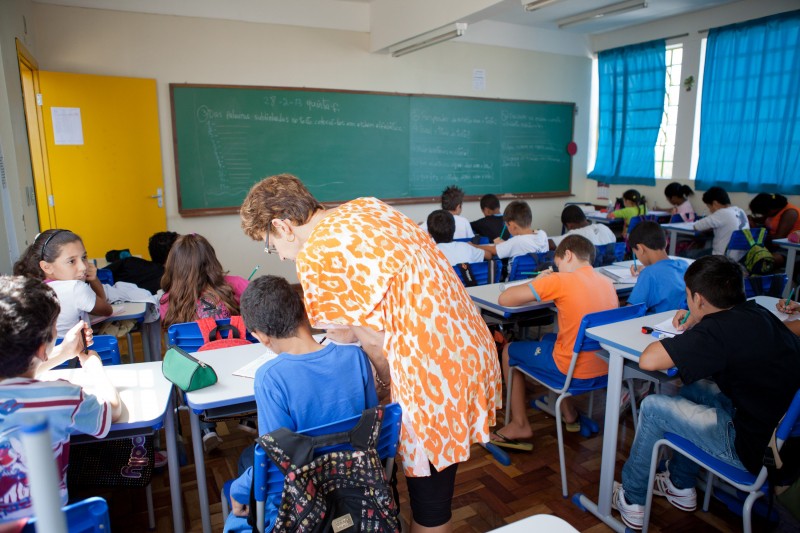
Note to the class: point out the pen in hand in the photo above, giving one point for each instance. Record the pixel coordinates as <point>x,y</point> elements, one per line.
<point>685,318</point>
<point>789,298</point>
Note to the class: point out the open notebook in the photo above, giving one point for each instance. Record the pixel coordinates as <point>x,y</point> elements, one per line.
<point>249,370</point>
<point>618,274</point>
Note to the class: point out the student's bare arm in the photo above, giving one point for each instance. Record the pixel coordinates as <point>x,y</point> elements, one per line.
<point>655,357</point>
<point>794,326</point>
<point>102,386</point>
<point>491,249</point>
<point>101,305</point>
<point>785,224</point>
<point>516,295</point>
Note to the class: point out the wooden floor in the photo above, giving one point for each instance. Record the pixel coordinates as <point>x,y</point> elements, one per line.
<point>487,495</point>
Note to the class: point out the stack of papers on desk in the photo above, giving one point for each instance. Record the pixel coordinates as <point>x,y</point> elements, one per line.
<point>619,274</point>
<point>249,370</point>
<point>665,328</point>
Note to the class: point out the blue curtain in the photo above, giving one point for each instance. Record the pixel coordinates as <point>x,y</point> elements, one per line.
<point>750,118</point>
<point>632,87</point>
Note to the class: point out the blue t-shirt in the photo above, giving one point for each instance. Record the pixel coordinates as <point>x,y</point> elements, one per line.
<point>304,391</point>
<point>660,286</point>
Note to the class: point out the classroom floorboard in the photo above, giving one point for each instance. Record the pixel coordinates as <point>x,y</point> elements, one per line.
<point>487,495</point>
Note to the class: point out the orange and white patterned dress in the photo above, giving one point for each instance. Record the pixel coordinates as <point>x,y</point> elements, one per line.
<point>367,264</point>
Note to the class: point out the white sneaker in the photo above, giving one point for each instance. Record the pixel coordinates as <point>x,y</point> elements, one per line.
<point>211,440</point>
<point>632,514</point>
<point>683,499</point>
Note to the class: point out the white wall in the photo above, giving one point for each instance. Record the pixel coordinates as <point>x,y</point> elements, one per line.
<point>18,223</point>
<point>193,50</point>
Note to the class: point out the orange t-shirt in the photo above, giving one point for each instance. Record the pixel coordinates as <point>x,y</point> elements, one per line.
<point>367,264</point>
<point>576,294</point>
<point>774,221</point>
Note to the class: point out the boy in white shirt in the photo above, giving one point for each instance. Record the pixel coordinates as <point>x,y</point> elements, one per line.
<point>723,221</point>
<point>452,200</point>
<point>442,226</point>
<point>574,219</point>
<point>524,240</point>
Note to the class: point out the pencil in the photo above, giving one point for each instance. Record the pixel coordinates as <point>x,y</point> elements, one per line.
<point>685,318</point>
<point>634,263</point>
<point>503,231</point>
<point>789,298</point>
<point>253,273</point>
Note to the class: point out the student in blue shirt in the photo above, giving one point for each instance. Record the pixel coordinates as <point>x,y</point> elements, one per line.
<point>305,386</point>
<point>660,285</point>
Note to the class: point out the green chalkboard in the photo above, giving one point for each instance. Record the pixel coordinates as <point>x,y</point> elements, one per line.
<point>349,144</point>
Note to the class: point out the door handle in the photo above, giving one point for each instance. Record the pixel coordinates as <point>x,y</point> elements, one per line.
<point>159,196</point>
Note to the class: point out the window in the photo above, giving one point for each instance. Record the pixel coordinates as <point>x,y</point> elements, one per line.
<point>665,145</point>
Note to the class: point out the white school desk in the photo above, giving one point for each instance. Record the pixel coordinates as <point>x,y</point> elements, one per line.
<point>623,341</point>
<point>629,263</point>
<point>151,332</point>
<point>147,405</point>
<point>485,297</point>
<point>540,522</point>
<point>229,396</point>
<point>602,218</point>
<point>679,228</point>
<point>791,256</point>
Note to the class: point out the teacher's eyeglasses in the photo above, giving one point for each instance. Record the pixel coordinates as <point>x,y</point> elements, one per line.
<point>268,247</point>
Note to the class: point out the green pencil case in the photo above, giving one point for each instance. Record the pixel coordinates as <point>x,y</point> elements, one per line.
<point>186,371</point>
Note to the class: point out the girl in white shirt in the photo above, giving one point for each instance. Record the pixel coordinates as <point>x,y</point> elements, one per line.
<point>678,196</point>
<point>58,257</point>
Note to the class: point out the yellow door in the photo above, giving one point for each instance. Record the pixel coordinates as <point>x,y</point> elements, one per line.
<point>104,157</point>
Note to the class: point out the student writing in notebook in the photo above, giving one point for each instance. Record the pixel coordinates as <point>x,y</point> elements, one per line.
<point>576,290</point>
<point>452,201</point>
<point>524,240</point>
<point>574,220</point>
<point>724,219</point>
<point>305,386</point>
<point>442,226</point>
<point>491,225</point>
<point>635,205</point>
<point>660,285</point>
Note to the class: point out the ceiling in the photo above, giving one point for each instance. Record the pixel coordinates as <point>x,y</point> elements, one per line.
<point>493,22</point>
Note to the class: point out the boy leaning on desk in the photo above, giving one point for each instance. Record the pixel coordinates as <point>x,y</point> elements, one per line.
<point>28,313</point>
<point>740,367</point>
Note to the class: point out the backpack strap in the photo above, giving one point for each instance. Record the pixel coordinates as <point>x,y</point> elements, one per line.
<point>208,328</point>
<point>290,450</point>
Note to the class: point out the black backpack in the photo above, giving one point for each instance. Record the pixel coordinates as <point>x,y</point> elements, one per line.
<point>340,491</point>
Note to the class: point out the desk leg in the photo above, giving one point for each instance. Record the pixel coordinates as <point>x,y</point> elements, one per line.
<point>200,469</point>
<point>673,241</point>
<point>151,340</point>
<point>608,462</point>
<point>791,255</point>
<point>174,469</point>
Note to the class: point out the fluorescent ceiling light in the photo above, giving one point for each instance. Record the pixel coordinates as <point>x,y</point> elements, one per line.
<point>533,5</point>
<point>440,35</point>
<point>613,9</point>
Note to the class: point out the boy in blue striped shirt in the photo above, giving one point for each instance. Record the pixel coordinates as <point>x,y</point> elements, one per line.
<point>28,313</point>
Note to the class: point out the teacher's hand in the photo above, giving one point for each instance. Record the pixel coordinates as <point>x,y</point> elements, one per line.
<point>342,335</point>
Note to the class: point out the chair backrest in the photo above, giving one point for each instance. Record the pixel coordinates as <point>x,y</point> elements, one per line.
<point>268,480</point>
<point>771,285</point>
<point>106,347</point>
<point>483,272</point>
<point>790,425</point>
<point>189,337</point>
<point>105,276</point>
<point>86,516</point>
<point>601,318</point>
<point>526,266</point>
<point>739,241</point>
<point>463,239</point>
<point>677,217</point>
<point>606,254</point>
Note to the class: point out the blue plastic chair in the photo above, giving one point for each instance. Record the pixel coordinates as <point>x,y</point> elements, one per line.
<point>189,337</point>
<point>483,272</point>
<point>105,276</point>
<point>86,516</point>
<point>771,285</point>
<point>739,241</point>
<point>526,266</point>
<point>641,218</point>
<point>606,254</point>
<point>268,480</point>
<point>743,480</point>
<point>566,388</point>
<point>106,347</point>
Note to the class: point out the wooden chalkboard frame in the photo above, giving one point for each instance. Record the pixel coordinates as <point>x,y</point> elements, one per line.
<point>212,211</point>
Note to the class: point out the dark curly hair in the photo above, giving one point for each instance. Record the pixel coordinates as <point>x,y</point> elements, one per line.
<point>28,313</point>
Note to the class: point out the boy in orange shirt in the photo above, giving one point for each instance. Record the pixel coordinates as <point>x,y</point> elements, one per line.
<point>577,290</point>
